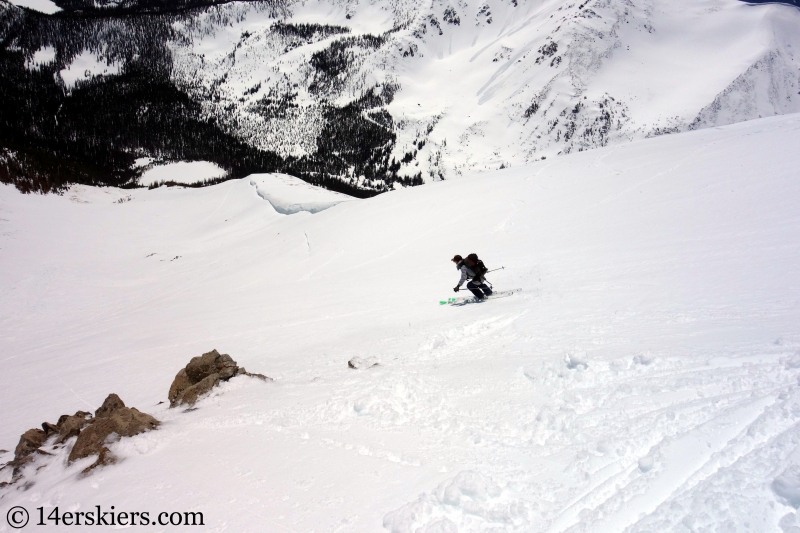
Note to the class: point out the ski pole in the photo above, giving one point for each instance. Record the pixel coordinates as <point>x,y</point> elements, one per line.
<point>501,268</point>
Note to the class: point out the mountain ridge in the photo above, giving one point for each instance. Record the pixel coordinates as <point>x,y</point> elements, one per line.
<point>369,97</point>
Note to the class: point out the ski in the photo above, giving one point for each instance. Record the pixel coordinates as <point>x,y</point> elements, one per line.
<point>464,300</point>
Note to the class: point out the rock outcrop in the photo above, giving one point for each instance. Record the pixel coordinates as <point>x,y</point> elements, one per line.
<point>71,425</point>
<point>31,441</point>
<point>202,374</point>
<point>111,422</point>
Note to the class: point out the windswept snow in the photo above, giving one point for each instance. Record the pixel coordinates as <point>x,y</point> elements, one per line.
<point>645,379</point>
<point>289,195</point>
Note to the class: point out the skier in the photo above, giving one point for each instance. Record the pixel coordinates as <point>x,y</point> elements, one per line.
<point>472,269</point>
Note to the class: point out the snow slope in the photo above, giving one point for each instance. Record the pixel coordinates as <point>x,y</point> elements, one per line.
<point>646,379</point>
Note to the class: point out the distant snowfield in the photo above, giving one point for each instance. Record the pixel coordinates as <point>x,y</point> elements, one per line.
<point>645,379</point>
<point>43,56</point>
<point>85,66</point>
<point>181,172</point>
<point>43,6</point>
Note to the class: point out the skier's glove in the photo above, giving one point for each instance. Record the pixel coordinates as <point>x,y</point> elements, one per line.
<point>455,289</point>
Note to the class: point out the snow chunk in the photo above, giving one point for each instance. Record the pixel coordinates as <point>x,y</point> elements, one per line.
<point>787,485</point>
<point>576,361</point>
<point>792,362</point>
<point>289,195</point>
<point>360,363</point>
<point>181,172</point>
<point>646,464</point>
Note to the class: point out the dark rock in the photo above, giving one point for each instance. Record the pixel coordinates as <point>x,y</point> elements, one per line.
<point>113,424</point>
<point>29,442</point>
<point>262,377</point>
<point>113,419</point>
<point>190,395</point>
<point>201,375</point>
<point>78,414</point>
<point>242,372</point>
<point>70,426</point>
<point>226,367</point>
<point>179,385</point>
<point>111,404</point>
<point>211,363</point>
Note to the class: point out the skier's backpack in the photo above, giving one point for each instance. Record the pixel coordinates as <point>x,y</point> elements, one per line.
<point>476,265</point>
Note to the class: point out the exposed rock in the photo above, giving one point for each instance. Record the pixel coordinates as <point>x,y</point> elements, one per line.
<point>262,377</point>
<point>211,363</point>
<point>78,414</point>
<point>202,374</point>
<point>179,384</point>
<point>113,421</point>
<point>242,372</point>
<point>111,404</point>
<point>190,395</point>
<point>70,426</point>
<point>29,442</point>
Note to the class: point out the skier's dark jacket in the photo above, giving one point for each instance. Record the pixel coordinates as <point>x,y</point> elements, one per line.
<point>467,272</point>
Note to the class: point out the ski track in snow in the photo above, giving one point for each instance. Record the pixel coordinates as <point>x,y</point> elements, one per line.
<point>645,379</point>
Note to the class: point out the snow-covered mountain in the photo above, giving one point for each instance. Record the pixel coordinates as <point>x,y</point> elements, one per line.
<point>645,379</point>
<point>365,96</point>
<point>485,84</point>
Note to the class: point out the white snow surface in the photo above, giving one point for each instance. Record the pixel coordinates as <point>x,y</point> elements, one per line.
<point>43,6</point>
<point>645,379</point>
<point>86,66</point>
<point>179,172</point>
<point>290,195</point>
<point>43,56</point>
